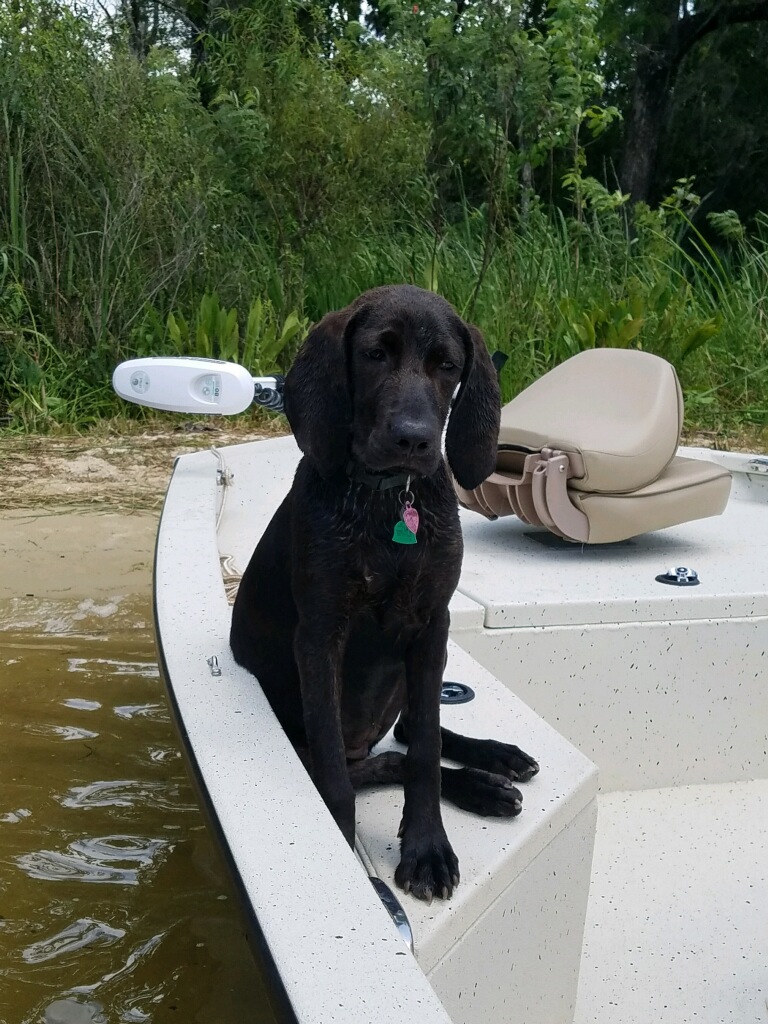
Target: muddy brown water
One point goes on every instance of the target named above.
(115, 905)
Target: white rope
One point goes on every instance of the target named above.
(230, 574)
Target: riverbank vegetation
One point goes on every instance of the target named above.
(176, 178)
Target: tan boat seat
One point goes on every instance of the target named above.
(588, 451)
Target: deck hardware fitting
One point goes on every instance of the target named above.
(679, 577)
(456, 693)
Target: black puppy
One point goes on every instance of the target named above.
(342, 613)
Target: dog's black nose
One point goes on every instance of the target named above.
(412, 437)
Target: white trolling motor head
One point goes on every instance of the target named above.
(190, 384)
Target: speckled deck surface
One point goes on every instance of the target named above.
(677, 922)
(526, 577)
(657, 686)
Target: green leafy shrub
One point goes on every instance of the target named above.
(261, 340)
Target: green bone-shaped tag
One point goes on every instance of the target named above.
(402, 534)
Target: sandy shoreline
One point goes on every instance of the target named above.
(79, 514)
(104, 470)
(59, 554)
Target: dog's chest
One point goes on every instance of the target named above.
(391, 591)
(392, 586)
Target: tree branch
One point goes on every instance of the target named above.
(696, 26)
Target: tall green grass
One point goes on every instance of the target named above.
(134, 220)
(549, 290)
(554, 287)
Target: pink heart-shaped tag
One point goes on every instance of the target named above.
(411, 518)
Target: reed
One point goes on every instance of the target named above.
(135, 220)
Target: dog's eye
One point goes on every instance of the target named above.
(447, 365)
(376, 354)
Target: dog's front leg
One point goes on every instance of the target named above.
(428, 866)
(318, 651)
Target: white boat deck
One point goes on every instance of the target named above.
(505, 865)
(663, 688)
(526, 577)
(677, 919)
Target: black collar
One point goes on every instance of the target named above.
(376, 481)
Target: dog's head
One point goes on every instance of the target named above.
(374, 382)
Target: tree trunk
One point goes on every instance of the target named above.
(671, 34)
(645, 124)
(650, 99)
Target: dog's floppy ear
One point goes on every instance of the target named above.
(472, 437)
(317, 399)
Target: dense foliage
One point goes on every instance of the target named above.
(192, 179)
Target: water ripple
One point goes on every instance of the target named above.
(139, 954)
(125, 793)
(115, 860)
(66, 732)
(13, 817)
(120, 847)
(161, 754)
(153, 711)
(80, 704)
(115, 666)
(62, 617)
(83, 932)
(69, 1011)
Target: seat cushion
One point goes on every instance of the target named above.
(621, 409)
(688, 489)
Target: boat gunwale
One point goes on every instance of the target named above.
(406, 992)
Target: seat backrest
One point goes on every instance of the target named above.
(621, 410)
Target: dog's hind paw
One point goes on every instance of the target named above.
(428, 867)
(505, 759)
(480, 792)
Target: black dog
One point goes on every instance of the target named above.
(344, 620)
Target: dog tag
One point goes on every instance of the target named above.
(411, 517)
(402, 535)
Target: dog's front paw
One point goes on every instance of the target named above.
(509, 760)
(428, 867)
